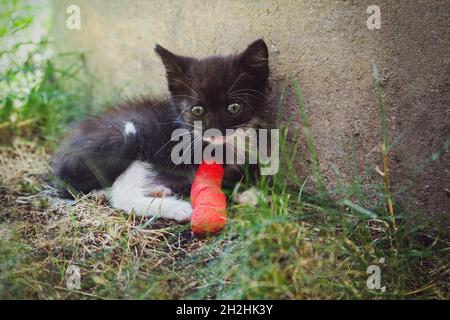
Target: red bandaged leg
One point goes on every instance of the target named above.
(208, 200)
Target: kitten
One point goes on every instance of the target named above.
(127, 149)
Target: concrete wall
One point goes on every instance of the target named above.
(327, 45)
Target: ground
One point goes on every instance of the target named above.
(281, 249)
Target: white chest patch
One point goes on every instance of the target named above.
(129, 128)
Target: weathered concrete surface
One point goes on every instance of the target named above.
(327, 45)
(416, 60)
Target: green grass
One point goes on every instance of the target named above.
(40, 92)
(292, 245)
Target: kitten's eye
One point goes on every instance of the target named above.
(197, 111)
(234, 108)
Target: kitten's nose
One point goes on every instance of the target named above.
(215, 122)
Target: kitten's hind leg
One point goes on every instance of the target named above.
(136, 190)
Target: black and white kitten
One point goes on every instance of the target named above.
(127, 149)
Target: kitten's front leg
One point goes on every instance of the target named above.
(164, 207)
(136, 189)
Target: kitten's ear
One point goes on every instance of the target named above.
(175, 66)
(255, 59)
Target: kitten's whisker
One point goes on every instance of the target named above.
(242, 125)
(251, 124)
(188, 87)
(249, 95)
(184, 95)
(249, 90)
(191, 146)
(236, 82)
(177, 119)
(182, 145)
(197, 139)
(171, 140)
(181, 123)
(186, 124)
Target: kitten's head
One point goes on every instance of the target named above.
(222, 92)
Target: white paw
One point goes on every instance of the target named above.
(249, 196)
(158, 191)
(180, 211)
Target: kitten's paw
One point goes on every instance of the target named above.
(180, 211)
(249, 196)
(159, 191)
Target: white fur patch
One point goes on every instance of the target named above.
(249, 196)
(132, 190)
(129, 128)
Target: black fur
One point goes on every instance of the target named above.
(96, 152)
